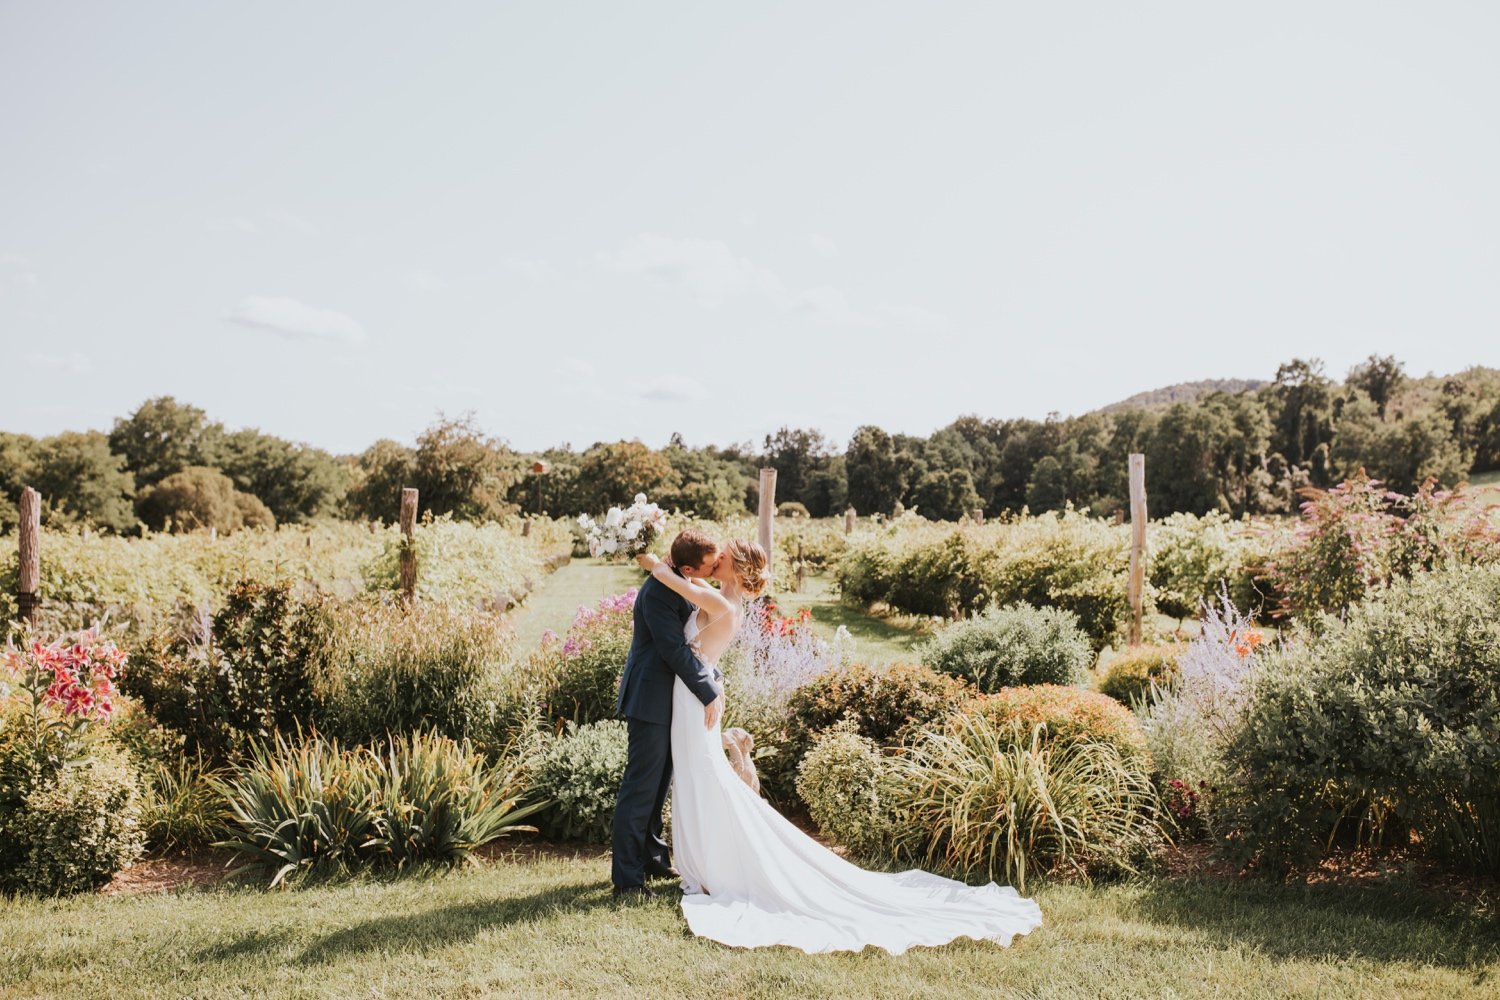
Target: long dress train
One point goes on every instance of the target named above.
(751, 878)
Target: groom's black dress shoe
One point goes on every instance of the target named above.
(633, 892)
(655, 869)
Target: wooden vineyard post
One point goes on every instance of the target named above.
(408, 544)
(849, 517)
(801, 568)
(767, 511)
(1137, 543)
(29, 579)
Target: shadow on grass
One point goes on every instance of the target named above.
(418, 930)
(1379, 923)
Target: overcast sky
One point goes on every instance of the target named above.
(594, 221)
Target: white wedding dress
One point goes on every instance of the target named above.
(750, 878)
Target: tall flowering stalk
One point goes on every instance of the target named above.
(1188, 725)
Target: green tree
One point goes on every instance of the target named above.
(15, 466)
(164, 436)
(199, 497)
(1300, 401)
(296, 481)
(81, 481)
(946, 495)
(612, 474)
(1380, 378)
(458, 469)
(795, 455)
(381, 472)
(873, 472)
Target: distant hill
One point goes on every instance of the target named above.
(1182, 392)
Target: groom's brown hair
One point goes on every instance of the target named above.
(691, 547)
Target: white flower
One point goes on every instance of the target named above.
(640, 498)
(611, 546)
(613, 518)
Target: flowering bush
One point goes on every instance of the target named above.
(577, 678)
(1180, 804)
(1188, 725)
(69, 801)
(624, 533)
(1357, 537)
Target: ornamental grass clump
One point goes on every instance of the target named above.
(308, 807)
(1001, 802)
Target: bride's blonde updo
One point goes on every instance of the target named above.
(749, 566)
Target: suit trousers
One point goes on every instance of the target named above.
(637, 834)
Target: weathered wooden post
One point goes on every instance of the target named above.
(29, 580)
(849, 517)
(1137, 543)
(767, 511)
(801, 568)
(979, 516)
(408, 544)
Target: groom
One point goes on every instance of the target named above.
(658, 651)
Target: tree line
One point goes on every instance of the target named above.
(1238, 450)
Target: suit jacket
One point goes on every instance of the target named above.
(658, 652)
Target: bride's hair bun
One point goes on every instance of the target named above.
(751, 567)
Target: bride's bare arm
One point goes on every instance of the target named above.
(701, 594)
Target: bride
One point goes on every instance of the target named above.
(751, 878)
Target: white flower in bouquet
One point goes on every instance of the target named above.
(625, 532)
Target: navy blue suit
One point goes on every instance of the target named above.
(658, 653)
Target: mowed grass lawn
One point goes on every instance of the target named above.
(547, 926)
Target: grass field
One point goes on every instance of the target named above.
(547, 926)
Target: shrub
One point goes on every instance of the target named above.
(74, 828)
(489, 564)
(792, 508)
(199, 497)
(242, 673)
(1356, 538)
(884, 704)
(1069, 561)
(579, 772)
(1192, 558)
(1129, 677)
(1069, 715)
(385, 668)
(302, 808)
(1019, 644)
(1381, 729)
(846, 782)
(1003, 803)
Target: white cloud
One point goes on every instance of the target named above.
(832, 305)
(707, 268)
(531, 270)
(822, 245)
(296, 320)
(74, 362)
(424, 281)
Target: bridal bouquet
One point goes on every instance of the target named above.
(627, 532)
